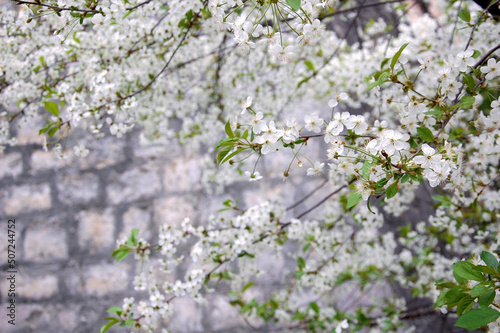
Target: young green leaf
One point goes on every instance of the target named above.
(353, 199)
(222, 153)
(225, 142)
(120, 253)
(53, 131)
(248, 285)
(465, 304)
(228, 129)
(486, 298)
(301, 263)
(108, 325)
(44, 129)
(295, 4)
(314, 306)
(309, 65)
(467, 101)
(466, 270)
(425, 134)
(228, 157)
(397, 55)
(366, 169)
(132, 240)
(478, 289)
(477, 318)
(114, 309)
(490, 260)
(392, 190)
(464, 14)
(52, 108)
(381, 79)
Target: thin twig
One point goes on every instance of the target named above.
(307, 195)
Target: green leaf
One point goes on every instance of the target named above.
(76, 38)
(397, 55)
(120, 253)
(53, 131)
(381, 79)
(228, 157)
(314, 306)
(248, 285)
(478, 290)
(301, 263)
(44, 129)
(52, 108)
(465, 304)
(464, 14)
(425, 134)
(222, 153)
(228, 129)
(485, 269)
(306, 247)
(353, 199)
(490, 260)
(405, 178)
(129, 322)
(467, 271)
(434, 112)
(129, 12)
(450, 297)
(469, 81)
(467, 102)
(245, 135)
(368, 205)
(225, 142)
(114, 309)
(132, 240)
(309, 65)
(392, 190)
(295, 4)
(366, 169)
(486, 298)
(447, 285)
(108, 326)
(477, 318)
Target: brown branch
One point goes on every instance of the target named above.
(307, 195)
(57, 8)
(359, 7)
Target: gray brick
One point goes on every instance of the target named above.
(139, 218)
(173, 210)
(103, 153)
(11, 164)
(183, 174)
(187, 316)
(138, 183)
(220, 308)
(43, 243)
(77, 188)
(96, 230)
(25, 198)
(31, 285)
(103, 279)
(42, 161)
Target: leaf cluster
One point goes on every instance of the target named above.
(474, 283)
